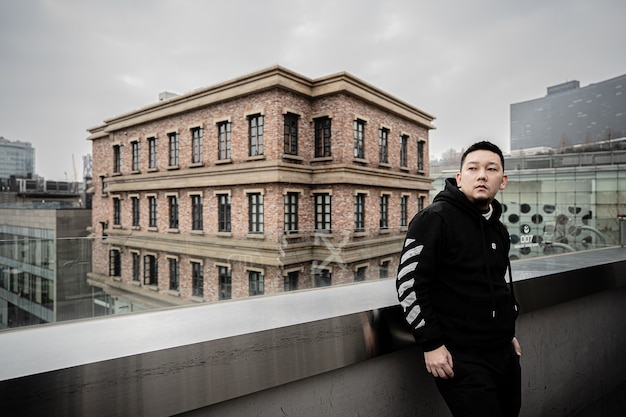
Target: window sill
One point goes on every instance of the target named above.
(173, 293)
(384, 165)
(360, 234)
(153, 229)
(361, 160)
(255, 158)
(174, 231)
(152, 287)
(407, 169)
(196, 165)
(223, 161)
(136, 283)
(224, 234)
(384, 231)
(291, 235)
(116, 226)
(259, 236)
(117, 279)
(136, 228)
(116, 174)
(196, 299)
(173, 167)
(293, 157)
(197, 232)
(134, 172)
(153, 169)
(323, 159)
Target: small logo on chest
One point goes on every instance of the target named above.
(493, 245)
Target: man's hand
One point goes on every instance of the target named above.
(439, 362)
(516, 346)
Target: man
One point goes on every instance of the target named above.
(452, 286)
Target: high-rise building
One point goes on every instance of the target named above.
(16, 159)
(266, 183)
(571, 115)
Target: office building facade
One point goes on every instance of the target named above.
(570, 115)
(45, 256)
(16, 159)
(266, 183)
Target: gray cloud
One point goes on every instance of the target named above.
(67, 65)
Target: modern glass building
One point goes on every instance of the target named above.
(570, 115)
(16, 158)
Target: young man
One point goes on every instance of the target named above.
(452, 286)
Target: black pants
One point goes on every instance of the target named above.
(485, 384)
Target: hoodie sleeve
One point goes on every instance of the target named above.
(416, 272)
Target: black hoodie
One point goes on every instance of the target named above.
(452, 275)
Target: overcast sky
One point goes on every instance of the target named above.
(68, 65)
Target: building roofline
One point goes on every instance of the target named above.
(258, 81)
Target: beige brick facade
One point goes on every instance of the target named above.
(271, 93)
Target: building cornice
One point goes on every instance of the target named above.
(263, 80)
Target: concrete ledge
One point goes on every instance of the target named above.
(182, 359)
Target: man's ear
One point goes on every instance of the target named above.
(458, 179)
(505, 180)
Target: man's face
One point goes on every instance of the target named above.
(481, 177)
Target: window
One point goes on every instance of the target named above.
(223, 142)
(359, 212)
(196, 145)
(383, 269)
(225, 283)
(404, 143)
(322, 277)
(135, 160)
(359, 274)
(384, 211)
(152, 211)
(255, 212)
(197, 280)
(173, 139)
(420, 155)
(174, 274)
(359, 139)
(404, 209)
(322, 213)
(196, 212)
(421, 200)
(255, 134)
(173, 203)
(256, 283)
(152, 153)
(291, 281)
(291, 134)
(291, 213)
(117, 211)
(136, 267)
(115, 263)
(150, 271)
(223, 212)
(117, 159)
(135, 202)
(322, 137)
(383, 138)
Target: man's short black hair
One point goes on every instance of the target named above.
(483, 146)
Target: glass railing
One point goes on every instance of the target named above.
(568, 208)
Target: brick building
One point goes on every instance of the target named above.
(262, 184)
